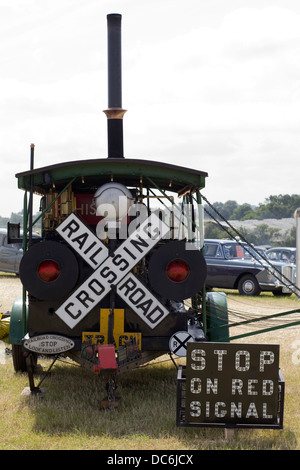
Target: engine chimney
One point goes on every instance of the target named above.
(114, 112)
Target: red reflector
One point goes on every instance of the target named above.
(178, 270)
(48, 270)
(106, 358)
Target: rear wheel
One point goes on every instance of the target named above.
(19, 360)
(248, 285)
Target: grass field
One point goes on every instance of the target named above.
(69, 415)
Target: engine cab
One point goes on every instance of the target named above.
(119, 261)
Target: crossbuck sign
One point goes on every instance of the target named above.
(114, 270)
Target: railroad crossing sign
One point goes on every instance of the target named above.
(178, 343)
(112, 270)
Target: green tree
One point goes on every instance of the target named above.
(266, 235)
(213, 230)
(278, 207)
(16, 217)
(243, 212)
(274, 207)
(3, 222)
(290, 239)
(228, 208)
(225, 209)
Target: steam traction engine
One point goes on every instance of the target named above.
(118, 277)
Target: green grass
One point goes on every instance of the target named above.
(69, 415)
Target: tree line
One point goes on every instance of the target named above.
(17, 218)
(262, 234)
(274, 207)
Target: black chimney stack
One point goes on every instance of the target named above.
(114, 112)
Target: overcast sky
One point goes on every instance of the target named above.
(208, 84)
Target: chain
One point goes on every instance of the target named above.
(111, 387)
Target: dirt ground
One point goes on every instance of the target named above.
(263, 306)
(10, 289)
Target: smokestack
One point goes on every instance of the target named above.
(114, 112)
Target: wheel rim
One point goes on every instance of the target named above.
(248, 286)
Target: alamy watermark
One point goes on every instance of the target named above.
(120, 221)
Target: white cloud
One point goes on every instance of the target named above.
(207, 85)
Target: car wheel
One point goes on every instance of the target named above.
(248, 285)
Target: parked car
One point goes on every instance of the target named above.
(235, 265)
(283, 254)
(10, 254)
